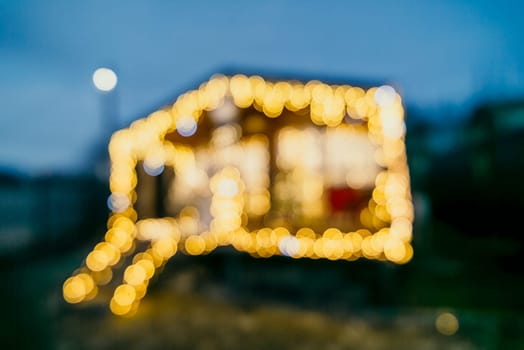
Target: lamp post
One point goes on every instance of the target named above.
(105, 81)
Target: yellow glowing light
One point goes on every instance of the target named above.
(195, 245)
(306, 232)
(105, 79)
(103, 277)
(409, 254)
(141, 290)
(118, 309)
(124, 295)
(135, 274)
(165, 247)
(157, 259)
(74, 290)
(89, 283)
(148, 266)
(97, 260)
(395, 250)
(118, 237)
(92, 294)
(447, 323)
(227, 188)
(110, 251)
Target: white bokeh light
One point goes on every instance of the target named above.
(227, 188)
(225, 113)
(289, 246)
(385, 96)
(104, 79)
(153, 170)
(118, 202)
(186, 126)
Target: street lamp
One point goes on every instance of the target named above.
(105, 79)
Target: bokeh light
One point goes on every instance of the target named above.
(105, 79)
(446, 323)
(186, 126)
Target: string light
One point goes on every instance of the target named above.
(240, 191)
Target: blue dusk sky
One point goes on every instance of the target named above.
(445, 57)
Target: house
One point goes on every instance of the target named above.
(268, 167)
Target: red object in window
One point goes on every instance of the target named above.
(344, 199)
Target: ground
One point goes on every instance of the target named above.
(185, 309)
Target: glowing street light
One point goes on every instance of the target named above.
(105, 79)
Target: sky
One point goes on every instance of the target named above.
(445, 57)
